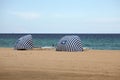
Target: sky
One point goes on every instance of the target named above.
(59, 16)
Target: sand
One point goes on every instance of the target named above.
(38, 64)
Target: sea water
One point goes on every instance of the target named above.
(92, 41)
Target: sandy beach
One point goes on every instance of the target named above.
(38, 64)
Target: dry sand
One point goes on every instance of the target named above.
(39, 64)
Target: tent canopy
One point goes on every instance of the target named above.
(24, 43)
(69, 43)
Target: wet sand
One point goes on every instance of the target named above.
(38, 64)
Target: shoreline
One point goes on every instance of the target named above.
(42, 64)
(53, 48)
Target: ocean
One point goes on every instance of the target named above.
(92, 41)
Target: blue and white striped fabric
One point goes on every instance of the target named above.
(24, 43)
(69, 43)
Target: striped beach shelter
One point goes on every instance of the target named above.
(24, 43)
(69, 43)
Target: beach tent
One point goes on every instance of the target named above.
(24, 43)
(69, 43)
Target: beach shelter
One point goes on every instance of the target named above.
(24, 43)
(69, 43)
